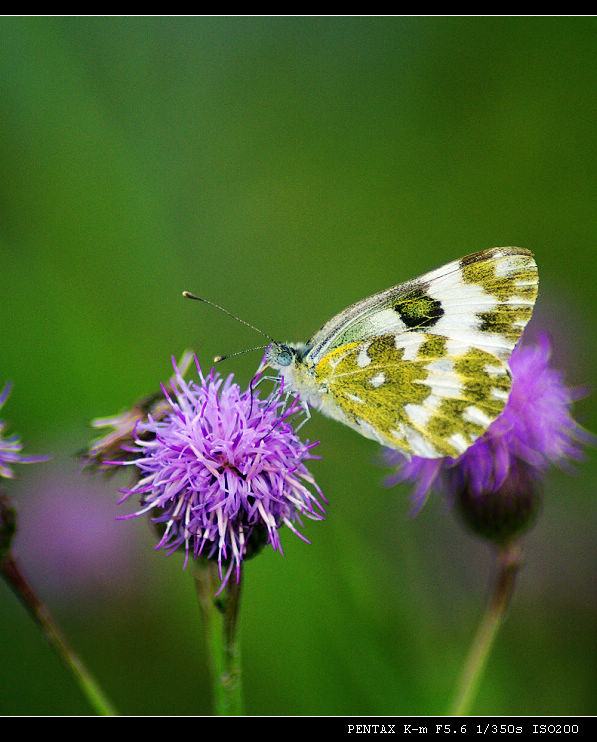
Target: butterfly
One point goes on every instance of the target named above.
(421, 367)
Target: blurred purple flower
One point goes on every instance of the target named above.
(67, 542)
(496, 480)
(10, 448)
(221, 470)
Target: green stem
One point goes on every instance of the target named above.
(220, 615)
(508, 562)
(39, 613)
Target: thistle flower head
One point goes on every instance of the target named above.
(10, 454)
(220, 470)
(496, 480)
(11, 447)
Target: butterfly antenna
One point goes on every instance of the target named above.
(188, 295)
(217, 359)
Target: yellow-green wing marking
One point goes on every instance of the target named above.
(435, 405)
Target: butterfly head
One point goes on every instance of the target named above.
(288, 359)
(281, 355)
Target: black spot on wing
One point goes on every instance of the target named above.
(418, 310)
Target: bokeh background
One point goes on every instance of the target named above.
(284, 167)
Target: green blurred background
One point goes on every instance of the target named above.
(284, 167)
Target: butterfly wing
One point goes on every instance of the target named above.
(423, 366)
(436, 405)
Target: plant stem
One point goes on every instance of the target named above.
(11, 572)
(220, 613)
(508, 565)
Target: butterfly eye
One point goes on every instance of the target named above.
(284, 355)
(279, 355)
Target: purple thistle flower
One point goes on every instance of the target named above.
(221, 470)
(10, 448)
(495, 482)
